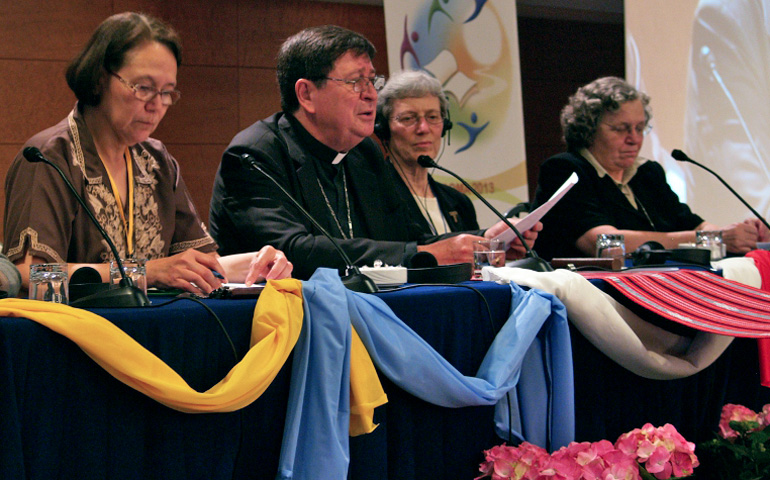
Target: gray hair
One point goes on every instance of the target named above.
(409, 84)
(581, 116)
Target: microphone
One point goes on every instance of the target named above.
(126, 294)
(682, 157)
(532, 261)
(353, 278)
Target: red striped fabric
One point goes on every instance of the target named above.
(698, 299)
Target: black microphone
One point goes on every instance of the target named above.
(353, 278)
(532, 261)
(682, 157)
(126, 294)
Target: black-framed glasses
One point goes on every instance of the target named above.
(626, 129)
(362, 83)
(146, 93)
(410, 119)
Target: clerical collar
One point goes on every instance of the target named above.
(313, 145)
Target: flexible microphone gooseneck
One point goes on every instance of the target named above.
(126, 294)
(353, 279)
(532, 261)
(682, 157)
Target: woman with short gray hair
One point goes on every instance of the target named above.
(412, 118)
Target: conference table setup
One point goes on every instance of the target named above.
(281, 386)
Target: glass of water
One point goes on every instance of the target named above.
(49, 282)
(711, 240)
(487, 253)
(610, 245)
(135, 268)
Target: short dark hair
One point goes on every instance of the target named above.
(311, 54)
(581, 116)
(107, 49)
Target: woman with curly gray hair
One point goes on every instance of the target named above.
(604, 124)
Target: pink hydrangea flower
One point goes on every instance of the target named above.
(764, 416)
(517, 463)
(624, 468)
(655, 449)
(735, 413)
(661, 451)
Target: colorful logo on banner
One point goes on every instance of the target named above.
(466, 46)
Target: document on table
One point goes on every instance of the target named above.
(238, 290)
(530, 220)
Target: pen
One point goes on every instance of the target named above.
(218, 275)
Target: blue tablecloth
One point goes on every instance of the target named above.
(62, 416)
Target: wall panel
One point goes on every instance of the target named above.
(228, 73)
(227, 78)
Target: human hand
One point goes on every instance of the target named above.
(456, 249)
(269, 264)
(516, 249)
(190, 270)
(740, 237)
(763, 234)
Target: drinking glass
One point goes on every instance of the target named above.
(610, 245)
(712, 240)
(135, 269)
(487, 253)
(49, 282)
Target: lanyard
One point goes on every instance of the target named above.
(128, 225)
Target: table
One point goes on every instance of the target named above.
(62, 416)
(621, 400)
(610, 399)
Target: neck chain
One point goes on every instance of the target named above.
(644, 211)
(347, 205)
(422, 201)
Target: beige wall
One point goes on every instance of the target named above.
(661, 31)
(227, 76)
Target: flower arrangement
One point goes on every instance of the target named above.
(741, 449)
(645, 453)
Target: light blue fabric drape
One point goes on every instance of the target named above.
(530, 357)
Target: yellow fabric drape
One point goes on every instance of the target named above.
(366, 391)
(276, 326)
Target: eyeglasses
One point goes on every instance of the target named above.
(146, 93)
(362, 83)
(626, 129)
(410, 119)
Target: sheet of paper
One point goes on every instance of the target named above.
(534, 216)
(243, 285)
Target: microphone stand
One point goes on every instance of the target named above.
(353, 279)
(531, 261)
(682, 157)
(126, 294)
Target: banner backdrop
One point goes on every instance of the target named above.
(472, 48)
(705, 65)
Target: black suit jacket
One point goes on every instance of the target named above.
(455, 206)
(595, 201)
(248, 211)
